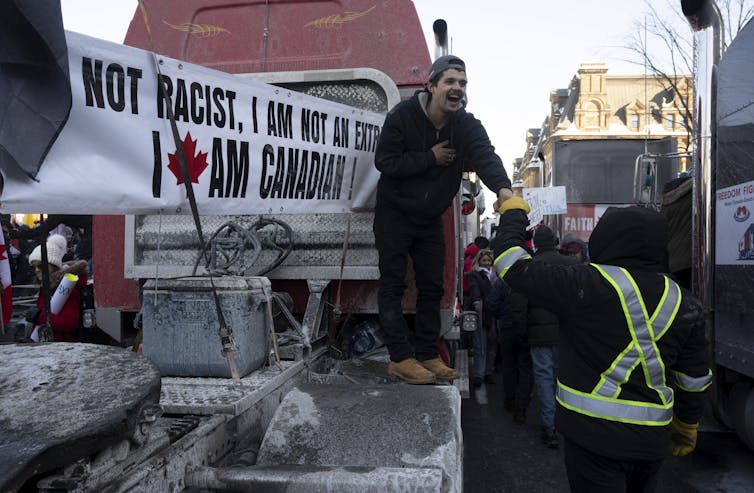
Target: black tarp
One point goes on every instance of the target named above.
(676, 206)
(35, 88)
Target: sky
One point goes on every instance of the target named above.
(516, 52)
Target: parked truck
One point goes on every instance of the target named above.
(723, 185)
(246, 318)
(364, 55)
(598, 174)
(709, 213)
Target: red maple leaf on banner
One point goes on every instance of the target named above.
(2, 252)
(196, 163)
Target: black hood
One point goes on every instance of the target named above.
(631, 237)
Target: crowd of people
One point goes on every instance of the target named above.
(22, 239)
(615, 347)
(69, 252)
(634, 361)
(515, 335)
(548, 315)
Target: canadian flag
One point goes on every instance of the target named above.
(5, 280)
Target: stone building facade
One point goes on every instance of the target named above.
(597, 107)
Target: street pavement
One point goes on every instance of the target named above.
(502, 456)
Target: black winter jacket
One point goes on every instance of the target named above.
(410, 180)
(541, 323)
(499, 304)
(508, 308)
(594, 330)
(479, 290)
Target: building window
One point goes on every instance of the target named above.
(634, 122)
(670, 121)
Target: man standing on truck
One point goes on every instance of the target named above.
(634, 359)
(426, 144)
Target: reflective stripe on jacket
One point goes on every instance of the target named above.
(509, 257)
(603, 358)
(641, 354)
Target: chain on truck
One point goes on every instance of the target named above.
(247, 314)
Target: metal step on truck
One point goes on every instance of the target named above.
(226, 153)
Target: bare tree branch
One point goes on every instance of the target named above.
(663, 44)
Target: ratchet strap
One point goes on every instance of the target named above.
(225, 332)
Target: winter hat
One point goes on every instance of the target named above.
(444, 63)
(56, 246)
(544, 238)
(481, 242)
(571, 245)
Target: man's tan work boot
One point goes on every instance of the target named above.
(439, 369)
(410, 371)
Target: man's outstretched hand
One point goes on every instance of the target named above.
(502, 195)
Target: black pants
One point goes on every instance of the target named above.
(397, 238)
(518, 379)
(592, 473)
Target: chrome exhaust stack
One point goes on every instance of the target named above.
(440, 28)
(704, 18)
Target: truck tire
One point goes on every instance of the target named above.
(741, 411)
(719, 397)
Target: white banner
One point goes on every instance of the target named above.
(544, 201)
(533, 199)
(552, 200)
(251, 148)
(734, 226)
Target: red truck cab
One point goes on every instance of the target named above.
(300, 45)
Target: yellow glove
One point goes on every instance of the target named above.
(682, 437)
(514, 203)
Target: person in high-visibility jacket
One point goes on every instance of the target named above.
(634, 359)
